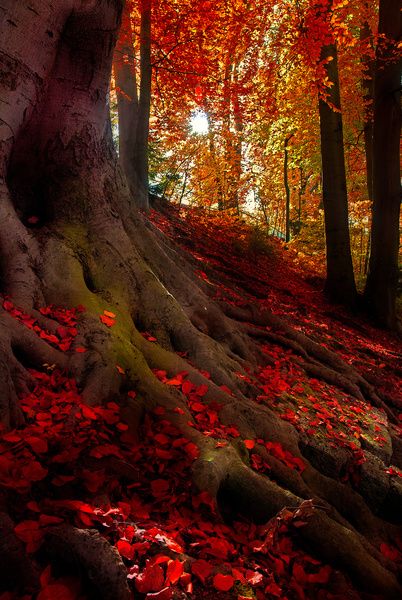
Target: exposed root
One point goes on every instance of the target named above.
(87, 550)
(15, 565)
(320, 361)
(20, 349)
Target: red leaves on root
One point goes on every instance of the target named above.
(66, 332)
(161, 510)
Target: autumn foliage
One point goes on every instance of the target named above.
(255, 74)
(186, 414)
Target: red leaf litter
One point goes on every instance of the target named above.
(60, 466)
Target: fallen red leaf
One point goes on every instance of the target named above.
(249, 444)
(159, 487)
(174, 571)
(108, 321)
(30, 533)
(223, 583)
(201, 390)
(150, 580)
(57, 590)
(125, 549)
(202, 569)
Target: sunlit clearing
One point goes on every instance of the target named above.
(199, 123)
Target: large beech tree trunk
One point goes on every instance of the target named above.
(382, 279)
(69, 235)
(340, 283)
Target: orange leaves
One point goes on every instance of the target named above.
(148, 336)
(198, 93)
(108, 318)
(249, 444)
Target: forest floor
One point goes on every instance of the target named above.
(60, 467)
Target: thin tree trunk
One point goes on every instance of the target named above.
(302, 188)
(287, 189)
(368, 93)
(340, 283)
(215, 160)
(231, 200)
(133, 104)
(239, 128)
(144, 107)
(367, 254)
(124, 66)
(382, 280)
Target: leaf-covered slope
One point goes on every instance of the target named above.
(72, 472)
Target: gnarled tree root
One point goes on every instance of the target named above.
(88, 551)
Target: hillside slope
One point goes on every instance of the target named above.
(312, 506)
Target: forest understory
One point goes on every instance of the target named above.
(249, 446)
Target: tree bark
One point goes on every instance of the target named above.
(88, 245)
(124, 66)
(368, 96)
(287, 188)
(215, 162)
(134, 104)
(144, 106)
(340, 283)
(383, 275)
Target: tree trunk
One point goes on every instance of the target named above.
(231, 143)
(216, 162)
(124, 66)
(144, 106)
(287, 189)
(70, 236)
(383, 275)
(340, 283)
(368, 96)
(134, 108)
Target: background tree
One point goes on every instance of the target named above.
(133, 99)
(382, 281)
(339, 284)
